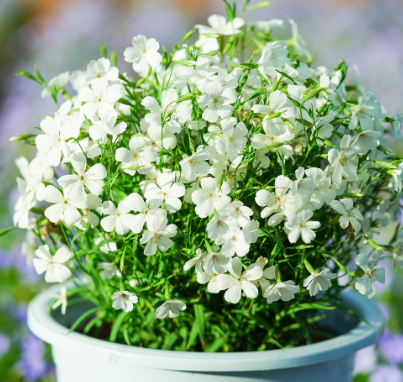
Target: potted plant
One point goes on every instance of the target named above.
(221, 202)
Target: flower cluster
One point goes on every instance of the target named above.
(266, 175)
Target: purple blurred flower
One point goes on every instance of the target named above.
(391, 347)
(32, 364)
(4, 344)
(365, 360)
(385, 373)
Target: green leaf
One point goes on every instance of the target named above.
(187, 35)
(169, 341)
(307, 306)
(38, 75)
(383, 164)
(208, 246)
(244, 66)
(116, 326)
(230, 12)
(134, 167)
(215, 346)
(261, 5)
(6, 231)
(193, 334)
(352, 195)
(309, 267)
(114, 59)
(22, 137)
(374, 245)
(102, 50)
(27, 75)
(83, 317)
(341, 266)
(199, 314)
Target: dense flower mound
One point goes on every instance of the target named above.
(221, 200)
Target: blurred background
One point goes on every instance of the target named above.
(60, 36)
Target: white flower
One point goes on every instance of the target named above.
(90, 203)
(145, 213)
(210, 197)
(322, 192)
(110, 270)
(119, 218)
(158, 235)
(397, 124)
(54, 141)
(220, 25)
(365, 284)
(275, 132)
(105, 126)
(302, 189)
(216, 100)
(124, 300)
(211, 279)
(237, 243)
(319, 281)
(75, 184)
(204, 69)
(268, 273)
(170, 308)
(299, 225)
(196, 261)
(168, 139)
(282, 290)
(219, 228)
(240, 212)
(63, 207)
(239, 281)
(61, 300)
(101, 68)
(349, 215)
(32, 173)
(367, 140)
(215, 263)
(165, 191)
(101, 96)
(168, 106)
(397, 176)
(137, 158)
(274, 56)
(253, 228)
(278, 103)
(143, 54)
(53, 265)
(277, 203)
(367, 108)
(234, 140)
(344, 162)
(300, 44)
(22, 208)
(195, 164)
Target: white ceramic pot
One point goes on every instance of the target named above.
(79, 358)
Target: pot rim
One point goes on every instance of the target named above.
(43, 325)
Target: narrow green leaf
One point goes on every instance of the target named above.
(116, 326)
(199, 314)
(261, 5)
(83, 317)
(187, 35)
(6, 231)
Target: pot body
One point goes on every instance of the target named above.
(79, 358)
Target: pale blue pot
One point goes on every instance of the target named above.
(79, 358)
